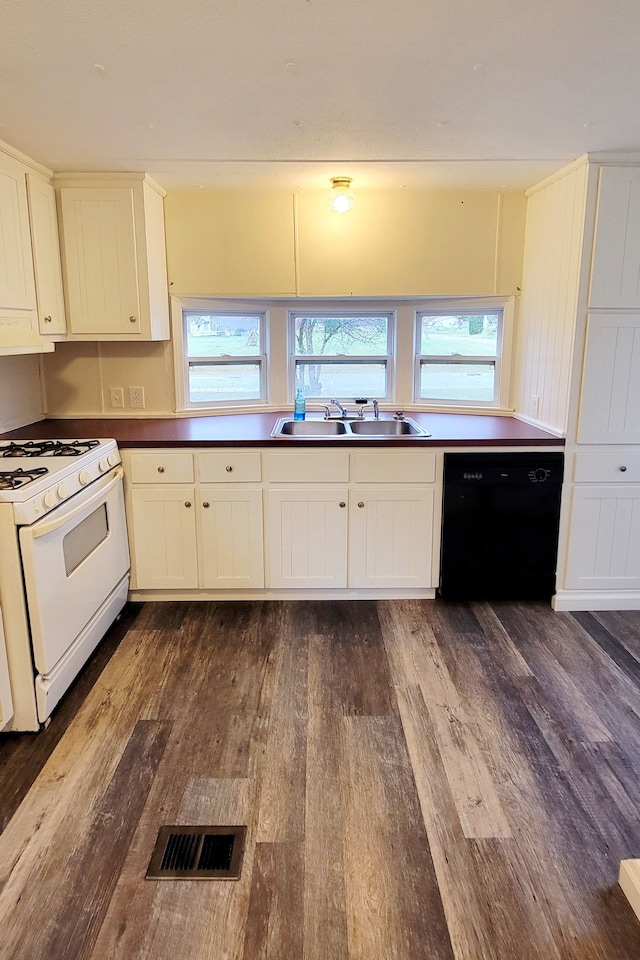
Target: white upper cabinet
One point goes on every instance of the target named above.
(46, 255)
(615, 273)
(114, 259)
(17, 290)
(610, 403)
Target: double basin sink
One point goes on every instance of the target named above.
(373, 429)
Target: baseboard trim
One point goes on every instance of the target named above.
(266, 594)
(596, 600)
(630, 883)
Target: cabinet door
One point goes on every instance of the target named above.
(164, 538)
(230, 524)
(604, 551)
(46, 255)
(17, 290)
(100, 260)
(610, 400)
(615, 273)
(391, 536)
(307, 537)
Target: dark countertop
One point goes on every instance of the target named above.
(254, 430)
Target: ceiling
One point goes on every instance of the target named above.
(464, 94)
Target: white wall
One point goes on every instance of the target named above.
(270, 243)
(78, 377)
(20, 396)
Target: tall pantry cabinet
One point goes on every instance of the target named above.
(588, 217)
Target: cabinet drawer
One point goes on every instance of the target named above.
(327, 466)
(161, 466)
(606, 468)
(228, 466)
(393, 466)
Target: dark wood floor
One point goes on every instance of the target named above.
(419, 779)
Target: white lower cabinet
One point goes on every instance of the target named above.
(164, 537)
(391, 536)
(231, 544)
(334, 519)
(374, 531)
(604, 552)
(306, 536)
(187, 534)
(603, 546)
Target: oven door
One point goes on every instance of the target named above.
(73, 559)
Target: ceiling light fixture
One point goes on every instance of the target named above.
(341, 198)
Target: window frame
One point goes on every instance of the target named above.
(278, 359)
(503, 306)
(181, 309)
(388, 359)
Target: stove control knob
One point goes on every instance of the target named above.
(84, 477)
(50, 499)
(113, 458)
(62, 492)
(102, 466)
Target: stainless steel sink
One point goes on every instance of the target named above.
(308, 428)
(373, 429)
(387, 428)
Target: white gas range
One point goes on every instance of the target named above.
(64, 563)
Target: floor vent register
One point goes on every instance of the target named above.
(197, 853)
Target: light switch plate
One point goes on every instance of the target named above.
(116, 396)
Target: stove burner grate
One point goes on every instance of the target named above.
(12, 479)
(47, 448)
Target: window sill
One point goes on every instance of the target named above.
(315, 407)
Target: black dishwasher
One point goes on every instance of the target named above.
(500, 526)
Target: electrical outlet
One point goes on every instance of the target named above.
(136, 397)
(116, 395)
(534, 406)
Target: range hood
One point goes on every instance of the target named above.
(17, 336)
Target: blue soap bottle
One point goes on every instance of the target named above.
(298, 406)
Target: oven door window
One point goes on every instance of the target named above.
(86, 537)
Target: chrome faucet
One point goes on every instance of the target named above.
(336, 403)
(368, 403)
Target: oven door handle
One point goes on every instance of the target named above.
(44, 527)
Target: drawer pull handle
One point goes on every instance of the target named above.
(187, 503)
(229, 469)
(623, 469)
(361, 503)
(342, 504)
(160, 469)
(205, 504)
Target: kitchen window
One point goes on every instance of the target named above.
(341, 355)
(458, 355)
(224, 357)
(254, 354)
